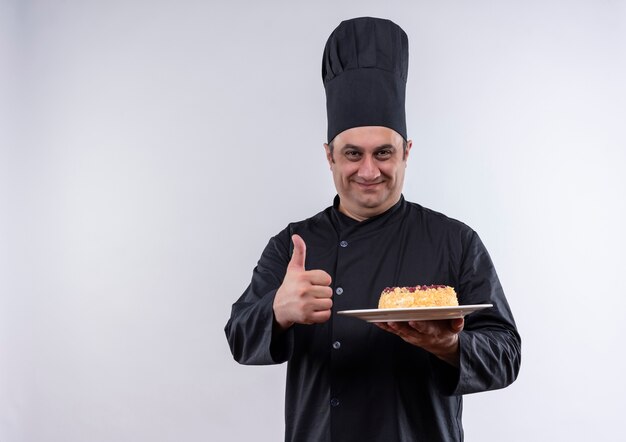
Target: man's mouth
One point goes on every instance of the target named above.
(366, 185)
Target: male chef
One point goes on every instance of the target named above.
(347, 379)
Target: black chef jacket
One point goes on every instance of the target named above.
(348, 380)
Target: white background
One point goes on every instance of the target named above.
(149, 149)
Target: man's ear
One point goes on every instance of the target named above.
(409, 144)
(329, 155)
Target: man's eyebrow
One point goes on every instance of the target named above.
(382, 146)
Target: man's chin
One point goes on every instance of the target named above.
(370, 203)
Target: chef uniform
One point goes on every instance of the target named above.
(348, 380)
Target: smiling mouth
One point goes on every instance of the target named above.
(368, 185)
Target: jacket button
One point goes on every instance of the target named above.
(339, 290)
(336, 345)
(334, 402)
(343, 243)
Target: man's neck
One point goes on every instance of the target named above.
(349, 214)
(360, 215)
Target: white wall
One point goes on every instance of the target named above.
(152, 148)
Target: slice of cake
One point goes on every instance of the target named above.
(419, 296)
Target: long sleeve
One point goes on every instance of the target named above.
(249, 330)
(490, 346)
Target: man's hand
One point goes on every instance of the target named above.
(440, 338)
(304, 296)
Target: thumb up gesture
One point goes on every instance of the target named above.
(304, 297)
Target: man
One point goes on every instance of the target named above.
(348, 380)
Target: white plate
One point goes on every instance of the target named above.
(413, 314)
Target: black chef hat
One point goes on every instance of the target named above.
(364, 69)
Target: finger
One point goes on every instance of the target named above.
(438, 327)
(420, 326)
(322, 304)
(456, 325)
(320, 316)
(319, 291)
(381, 325)
(319, 277)
(404, 330)
(384, 326)
(299, 253)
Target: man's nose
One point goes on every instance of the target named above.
(369, 170)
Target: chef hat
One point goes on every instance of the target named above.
(364, 69)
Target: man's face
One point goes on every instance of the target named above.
(368, 166)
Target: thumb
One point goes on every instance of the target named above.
(299, 253)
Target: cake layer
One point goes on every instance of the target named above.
(418, 296)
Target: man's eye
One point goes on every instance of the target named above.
(353, 154)
(383, 153)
